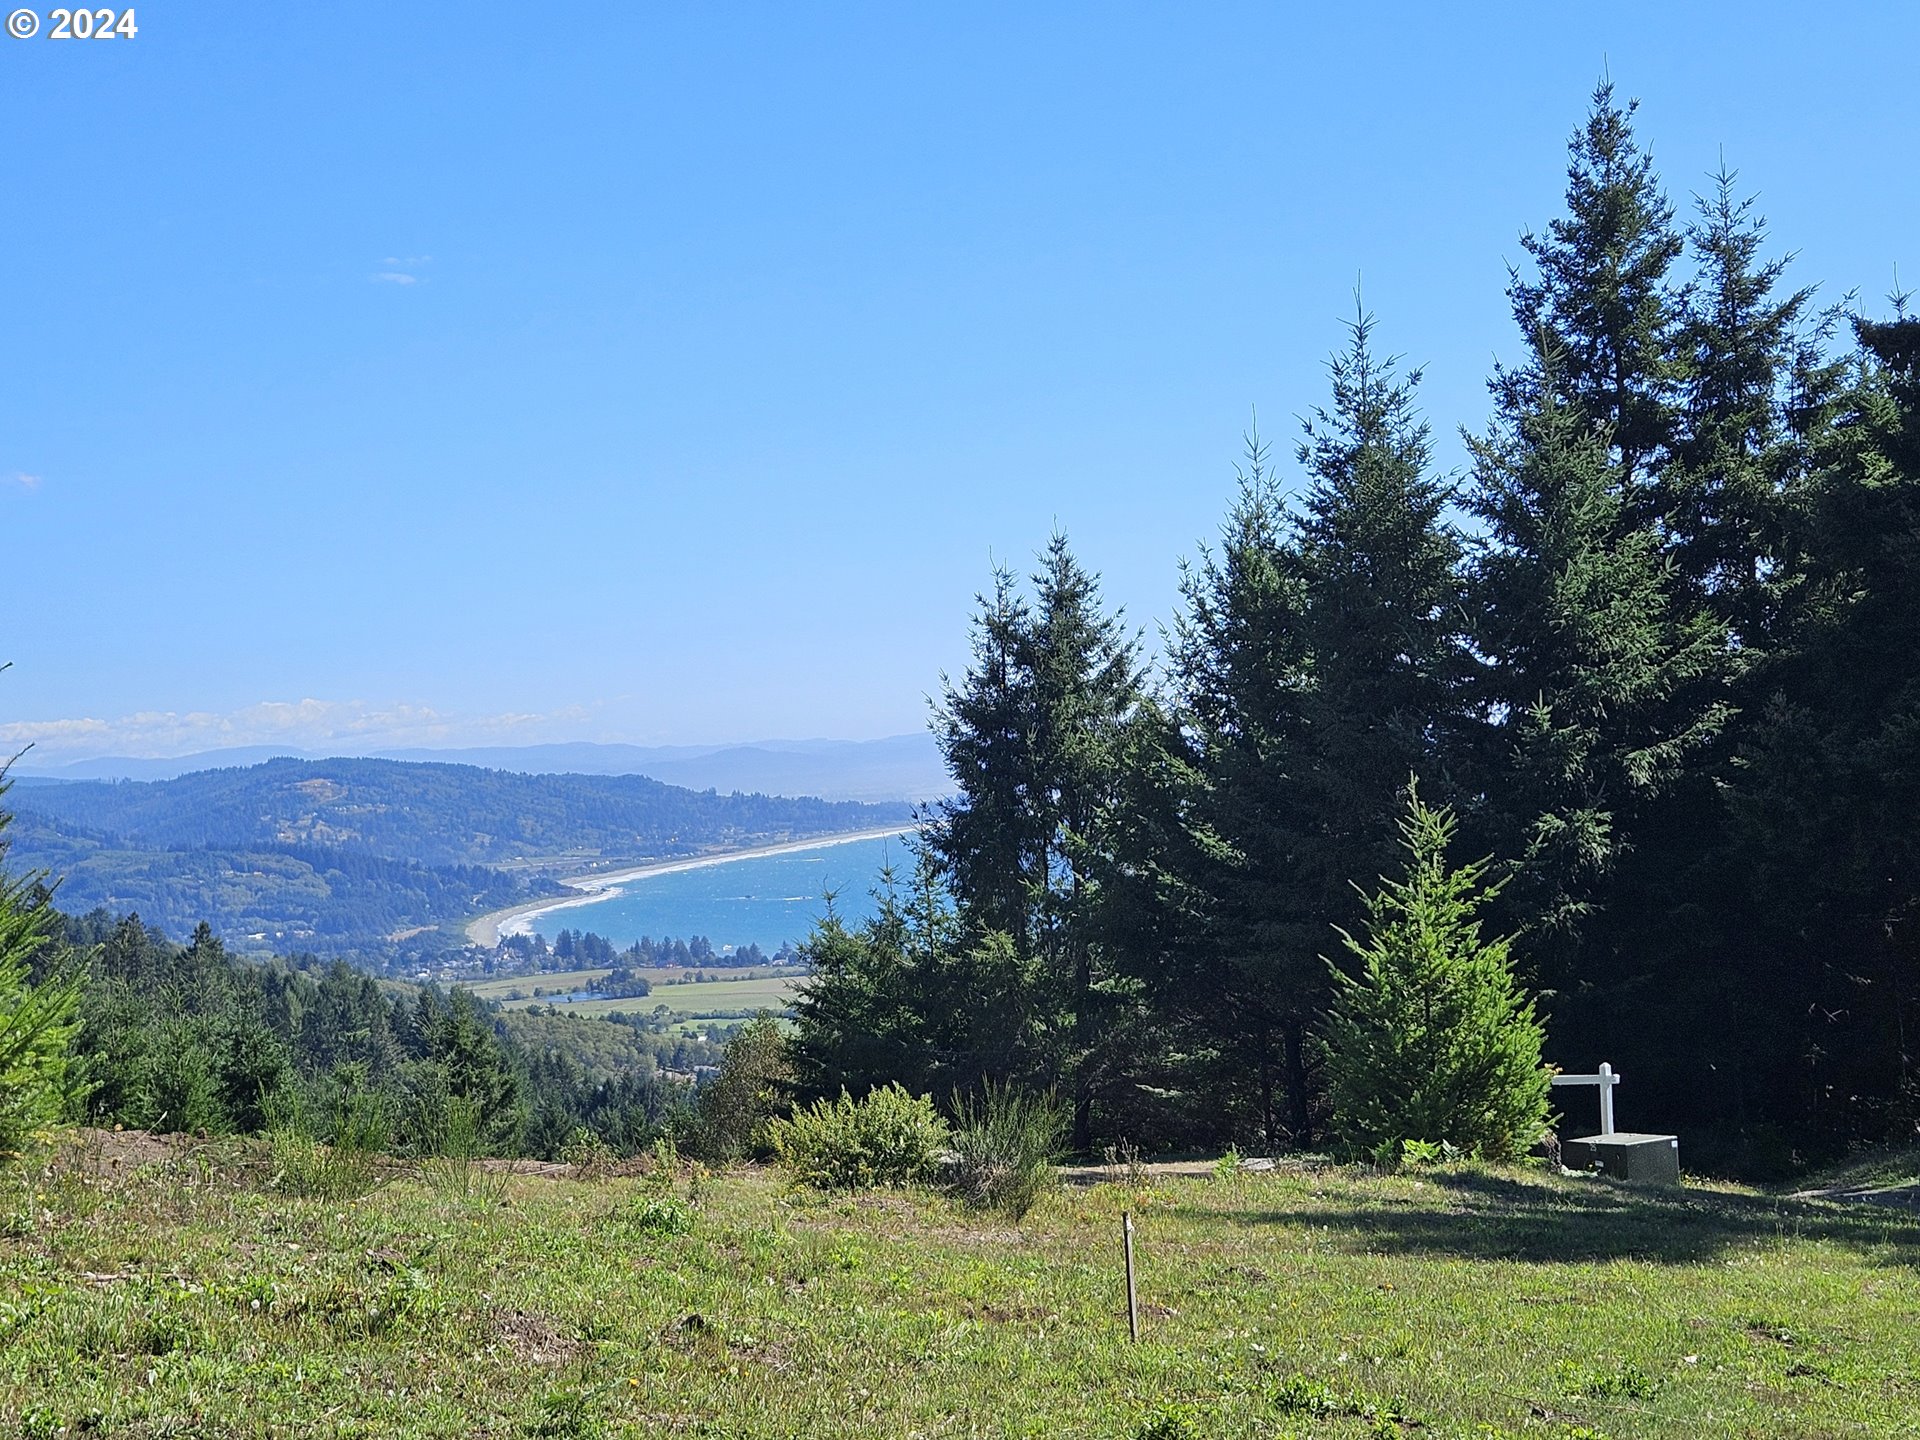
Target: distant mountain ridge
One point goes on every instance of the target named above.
(899, 767)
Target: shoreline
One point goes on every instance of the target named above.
(490, 929)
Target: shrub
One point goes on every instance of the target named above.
(736, 1105)
(589, 1155)
(454, 1169)
(359, 1126)
(886, 1138)
(658, 1215)
(1170, 1422)
(1004, 1143)
(1432, 1039)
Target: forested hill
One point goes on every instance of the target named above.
(328, 899)
(437, 815)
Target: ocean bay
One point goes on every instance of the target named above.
(764, 899)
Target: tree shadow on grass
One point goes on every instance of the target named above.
(1480, 1216)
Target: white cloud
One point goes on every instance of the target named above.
(394, 277)
(25, 481)
(350, 725)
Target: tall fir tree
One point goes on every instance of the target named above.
(1829, 777)
(1385, 619)
(1233, 959)
(1602, 300)
(1585, 656)
(1321, 660)
(1033, 736)
(1755, 385)
(1606, 675)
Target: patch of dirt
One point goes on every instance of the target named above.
(1903, 1196)
(1145, 1171)
(552, 1169)
(118, 1152)
(536, 1338)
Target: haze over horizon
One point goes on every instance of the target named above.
(378, 379)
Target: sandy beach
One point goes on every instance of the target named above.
(490, 928)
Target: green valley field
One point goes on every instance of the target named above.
(688, 1002)
(153, 1290)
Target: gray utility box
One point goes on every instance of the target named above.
(1641, 1159)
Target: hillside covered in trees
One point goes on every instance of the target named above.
(190, 1038)
(1657, 652)
(439, 814)
(325, 898)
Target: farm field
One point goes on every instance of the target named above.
(187, 1297)
(565, 982)
(520, 986)
(690, 1000)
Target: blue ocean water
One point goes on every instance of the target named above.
(765, 900)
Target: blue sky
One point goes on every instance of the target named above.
(675, 373)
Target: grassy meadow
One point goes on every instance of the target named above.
(175, 1292)
(688, 1002)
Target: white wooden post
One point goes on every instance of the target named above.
(1605, 1080)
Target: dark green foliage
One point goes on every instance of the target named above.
(1757, 388)
(750, 1090)
(190, 1038)
(37, 1011)
(1828, 780)
(1602, 302)
(1587, 657)
(1321, 660)
(912, 996)
(1034, 735)
(1429, 1037)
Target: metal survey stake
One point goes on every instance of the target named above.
(1133, 1302)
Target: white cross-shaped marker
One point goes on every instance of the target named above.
(1606, 1080)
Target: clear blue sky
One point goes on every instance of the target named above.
(676, 372)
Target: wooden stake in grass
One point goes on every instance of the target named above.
(1133, 1300)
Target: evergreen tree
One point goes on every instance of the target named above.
(1240, 969)
(1430, 1038)
(1585, 657)
(1321, 660)
(1602, 302)
(1384, 616)
(989, 836)
(749, 1091)
(1756, 385)
(1829, 779)
(1033, 737)
(1605, 675)
(37, 1015)
(862, 1017)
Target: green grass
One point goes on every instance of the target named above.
(689, 1001)
(669, 982)
(558, 982)
(187, 1299)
